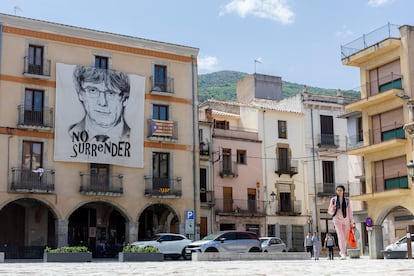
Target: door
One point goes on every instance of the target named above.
(227, 199)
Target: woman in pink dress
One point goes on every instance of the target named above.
(341, 211)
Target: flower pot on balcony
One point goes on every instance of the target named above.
(140, 257)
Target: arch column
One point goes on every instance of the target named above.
(375, 242)
(131, 231)
(61, 231)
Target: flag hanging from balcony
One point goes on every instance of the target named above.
(162, 128)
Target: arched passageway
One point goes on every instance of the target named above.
(157, 218)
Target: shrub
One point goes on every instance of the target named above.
(67, 249)
(135, 249)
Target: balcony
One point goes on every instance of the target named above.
(162, 187)
(240, 207)
(235, 133)
(30, 118)
(102, 184)
(385, 138)
(228, 169)
(371, 45)
(288, 166)
(206, 198)
(326, 140)
(32, 181)
(329, 189)
(390, 186)
(288, 208)
(162, 130)
(41, 71)
(204, 150)
(162, 88)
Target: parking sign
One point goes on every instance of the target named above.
(189, 214)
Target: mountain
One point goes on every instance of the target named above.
(222, 86)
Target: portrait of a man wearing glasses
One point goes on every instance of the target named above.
(104, 95)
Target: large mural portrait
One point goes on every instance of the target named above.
(99, 116)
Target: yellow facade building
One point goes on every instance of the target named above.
(98, 136)
(385, 58)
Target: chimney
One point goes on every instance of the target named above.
(209, 115)
(339, 93)
(305, 89)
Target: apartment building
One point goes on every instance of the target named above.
(98, 135)
(385, 59)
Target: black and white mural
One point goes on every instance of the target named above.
(99, 116)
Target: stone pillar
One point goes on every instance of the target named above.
(61, 232)
(131, 231)
(289, 235)
(375, 242)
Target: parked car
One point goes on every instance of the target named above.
(398, 249)
(172, 245)
(273, 244)
(226, 241)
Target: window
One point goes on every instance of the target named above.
(221, 124)
(203, 185)
(161, 171)
(101, 62)
(328, 177)
(327, 131)
(283, 160)
(160, 112)
(32, 155)
(35, 59)
(227, 161)
(241, 157)
(285, 202)
(160, 78)
(282, 127)
(33, 107)
(251, 200)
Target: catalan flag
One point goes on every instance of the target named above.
(162, 128)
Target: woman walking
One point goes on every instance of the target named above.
(341, 211)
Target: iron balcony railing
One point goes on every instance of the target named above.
(206, 197)
(33, 181)
(377, 86)
(286, 166)
(228, 169)
(376, 136)
(329, 189)
(398, 180)
(101, 184)
(372, 38)
(166, 86)
(327, 140)
(162, 187)
(241, 207)
(287, 207)
(204, 149)
(42, 69)
(29, 116)
(162, 129)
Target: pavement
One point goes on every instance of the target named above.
(362, 266)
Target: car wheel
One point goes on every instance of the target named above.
(185, 256)
(265, 251)
(254, 249)
(211, 249)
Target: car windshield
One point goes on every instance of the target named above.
(264, 241)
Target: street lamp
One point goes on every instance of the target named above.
(273, 195)
(410, 167)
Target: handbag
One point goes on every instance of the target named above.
(352, 240)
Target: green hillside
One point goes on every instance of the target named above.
(222, 86)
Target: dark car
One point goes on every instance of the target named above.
(226, 241)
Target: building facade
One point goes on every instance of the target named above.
(95, 127)
(385, 60)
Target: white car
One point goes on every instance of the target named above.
(272, 244)
(172, 245)
(398, 250)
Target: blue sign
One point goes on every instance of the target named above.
(189, 214)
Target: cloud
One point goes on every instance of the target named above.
(344, 32)
(276, 10)
(379, 3)
(207, 64)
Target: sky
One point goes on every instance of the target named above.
(298, 40)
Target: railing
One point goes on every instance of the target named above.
(240, 206)
(228, 169)
(34, 181)
(372, 38)
(207, 197)
(236, 133)
(375, 87)
(37, 69)
(329, 189)
(162, 129)
(101, 184)
(204, 149)
(288, 208)
(166, 87)
(376, 136)
(287, 166)
(162, 187)
(29, 116)
(398, 180)
(328, 140)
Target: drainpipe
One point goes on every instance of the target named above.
(195, 119)
(314, 174)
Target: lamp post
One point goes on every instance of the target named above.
(410, 168)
